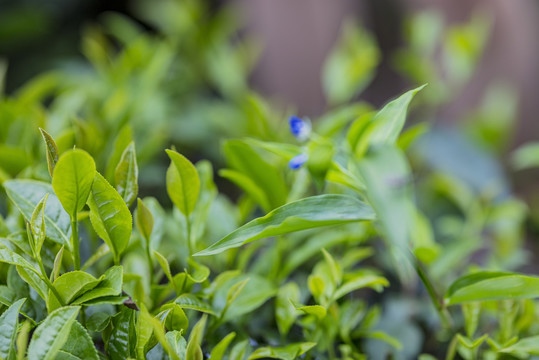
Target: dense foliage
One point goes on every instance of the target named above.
(353, 237)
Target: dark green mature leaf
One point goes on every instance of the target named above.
(122, 341)
(8, 330)
(52, 333)
(52, 150)
(126, 175)
(289, 352)
(26, 194)
(491, 285)
(389, 121)
(72, 180)
(308, 213)
(183, 183)
(110, 216)
(80, 345)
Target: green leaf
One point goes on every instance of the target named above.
(389, 121)
(257, 173)
(9, 321)
(98, 321)
(190, 301)
(52, 150)
(57, 264)
(70, 286)
(289, 352)
(109, 287)
(219, 350)
(177, 343)
(26, 194)
(8, 256)
(126, 175)
(173, 317)
(285, 312)
(183, 183)
(72, 180)
(38, 225)
(110, 216)
(194, 351)
(358, 281)
(164, 265)
(35, 281)
(316, 310)
(491, 285)
(144, 221)
(122, 340)
(144, 334)
(308, 213)
(52, 333)
(523, 348)
(526, 156)
(80, 345)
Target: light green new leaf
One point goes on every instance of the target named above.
(52, 333)
(164, 265)
(173, 317)
(390, 120)
(190, 301)
(290, 352)
(358, 281)
(316, 310)
(70, 286)
(285, 312)
(110, 216)
(523, 348)
(194, 351)
(107, 291)
(526, 156)
(126, 175)
(183, 183)
(308, 213)
(26, 194)
(9, 256)
(72, 180)
(218, 350)
(52, 150)
(79, 347)
(144, 221)
(38, 225)
(491, 285)
(8, 330)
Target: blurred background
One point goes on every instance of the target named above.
(214, 69)
(295, 39)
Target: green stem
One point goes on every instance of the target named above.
(150, 262)
(75, 242)
(49, 284)
(188, 225)
(440, 308)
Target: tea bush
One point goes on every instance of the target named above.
(353, 237)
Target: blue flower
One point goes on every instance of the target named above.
(297, 161)
(300, 128)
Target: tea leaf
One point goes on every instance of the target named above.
(390, 120)
(183, 183)
(26, 194)
(72, 180)
(52, 150)
(193, 350)
(144, 221)
(38, 225)
(285, 312)
(110, 216)
(491, 285)
(52, 333)
(173, 317)
(70, 286)
(289, 352)
(80, 345)
(308, 213)
(190, 301)
(9, 321)
(219, 350)
(126, 175)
